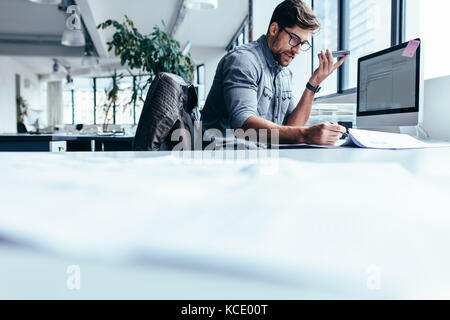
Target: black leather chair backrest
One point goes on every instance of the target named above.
(168, 106)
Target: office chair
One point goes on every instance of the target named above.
(170, 104)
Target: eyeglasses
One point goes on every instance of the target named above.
(296, 41)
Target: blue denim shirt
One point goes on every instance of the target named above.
(248, 82)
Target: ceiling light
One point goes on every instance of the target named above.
(46, 1)
(73, 38)
(55, 66)
(201, 4)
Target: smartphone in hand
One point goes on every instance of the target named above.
(340, 53)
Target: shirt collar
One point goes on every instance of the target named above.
(271, 62)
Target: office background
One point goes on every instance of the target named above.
(29, 36)
(304, 224)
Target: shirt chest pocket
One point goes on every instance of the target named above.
(265, 102)
(286, 100)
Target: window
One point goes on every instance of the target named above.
(140, 83)
(102, 112)
(200, 85)
(327, 38)
(369, 31)
(241, 37)
(83, 100)
(361, 26)
(124, 107)
(68, 96)
(428, 20)
(79, 102)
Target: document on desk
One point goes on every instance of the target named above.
(358, 138)
(272, 219)
(383, 140)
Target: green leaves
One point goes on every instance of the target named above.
(22, 109)
(153, 53)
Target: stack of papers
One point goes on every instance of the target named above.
(372, 140)
(382, 140)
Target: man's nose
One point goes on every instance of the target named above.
(296, 50)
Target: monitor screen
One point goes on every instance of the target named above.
(388, 82)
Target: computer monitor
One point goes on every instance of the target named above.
(389, 92)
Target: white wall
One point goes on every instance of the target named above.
(7, 96)
(436, 116)
(8, 69)
(429, 21)
(210, 57)
(301, 66)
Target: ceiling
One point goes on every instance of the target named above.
(28, 28)
(13, 14)
(144, 13)
(204, 28)
(213, 28)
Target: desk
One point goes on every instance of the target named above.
(29, 273)
(101, 143)
(34, 143)
(63, 143)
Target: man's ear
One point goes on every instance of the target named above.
(273, 29)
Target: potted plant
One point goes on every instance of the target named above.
(111, 98)
(147, 54)
(22, 112)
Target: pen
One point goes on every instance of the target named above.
(344, 134)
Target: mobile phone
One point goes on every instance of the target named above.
(340, 53)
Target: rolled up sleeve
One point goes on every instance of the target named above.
(240, 88)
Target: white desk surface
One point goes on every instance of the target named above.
(32, 273)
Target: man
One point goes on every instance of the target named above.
(252, 86)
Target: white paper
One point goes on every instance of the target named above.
(372, 140)
(383, 140)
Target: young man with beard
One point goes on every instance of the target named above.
(252, 88)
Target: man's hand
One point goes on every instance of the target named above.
(326, 67)
(321, 134)
(324, 133)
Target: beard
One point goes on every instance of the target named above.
(278, 55)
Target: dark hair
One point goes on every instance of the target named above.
(292, 13)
